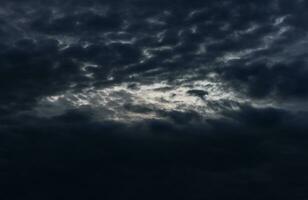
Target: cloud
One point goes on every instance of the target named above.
(185, 99)
(198, 93)
(253, 147)
(261, 80)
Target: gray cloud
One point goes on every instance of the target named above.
(207, 98)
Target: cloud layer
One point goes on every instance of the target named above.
(205, 98)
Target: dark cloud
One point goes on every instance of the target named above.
(30, 71)
(143, 99)
(260, 79)
(199, 93)
(76, 22)
(97, 158)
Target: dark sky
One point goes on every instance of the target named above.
(154, 99)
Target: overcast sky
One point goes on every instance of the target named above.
(145, 99)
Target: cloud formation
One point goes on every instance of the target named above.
(207, 98)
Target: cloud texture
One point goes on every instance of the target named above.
(139, 99)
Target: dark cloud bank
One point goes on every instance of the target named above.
(154, 99)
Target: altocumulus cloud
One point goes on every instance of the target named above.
(153, 99)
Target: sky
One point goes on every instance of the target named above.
(144, 99)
